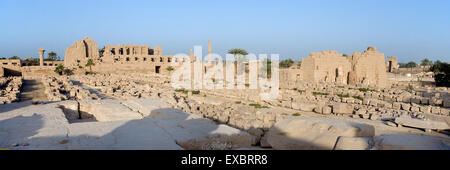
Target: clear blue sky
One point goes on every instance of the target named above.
(408, 29)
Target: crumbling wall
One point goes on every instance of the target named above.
(327, 66)
(369, 67)
(392, 64)
(80, 52)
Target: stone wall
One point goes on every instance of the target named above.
(369, 67)
(366, 68)
(392, 64)
(327, 66)
(80, 52)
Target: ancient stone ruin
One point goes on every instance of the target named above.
(80, 52)
(330, 102)
(366, 68)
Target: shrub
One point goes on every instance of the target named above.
(409, 88)
(59, 69)
(320, 93)
(181, 91)
(170, 68)
(258, 106)
(296, 114)
(358, 97)
(343, 95)
(365, 90)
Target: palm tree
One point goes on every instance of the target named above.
(89, 64)
(237, 52)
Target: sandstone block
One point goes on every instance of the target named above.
(424, 124)
(342, 108)
(314, 133)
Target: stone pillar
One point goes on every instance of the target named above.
(41, 56)
(209, 47)
(209, 52)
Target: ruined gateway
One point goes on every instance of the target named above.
(331, 102)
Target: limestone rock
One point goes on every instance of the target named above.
(108, 110)
(314, 133)
(80, 52)
(354, 143)
(408, 142)
(342, 108)
(424, 124)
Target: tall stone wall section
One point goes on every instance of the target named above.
(369, 67)
(327, 66)
(79, 53)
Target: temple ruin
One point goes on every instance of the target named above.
(80, 52)
(392, 64)
(366, 68)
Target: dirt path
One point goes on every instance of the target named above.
(33, 90)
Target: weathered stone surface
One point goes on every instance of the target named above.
(70, 109)
(424, 124)
(145, 106)
(408, 142)
(314, 133)
(446, 102)
(194, 132)
(326, 110)
(80, 52)
(46, 127)
(354, 143)
(108, 110)
(307, 107)
(342, 108)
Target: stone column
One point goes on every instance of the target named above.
(41, 56)
(209, 47)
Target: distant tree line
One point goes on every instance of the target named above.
(412, 64)
(52, 56)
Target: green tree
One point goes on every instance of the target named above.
(239, 55)
(59, 69)
(411, 64)
(426, 62)
(89, 64)
(442, 74)
(286, 63)
(14, 58)
(52, 56)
